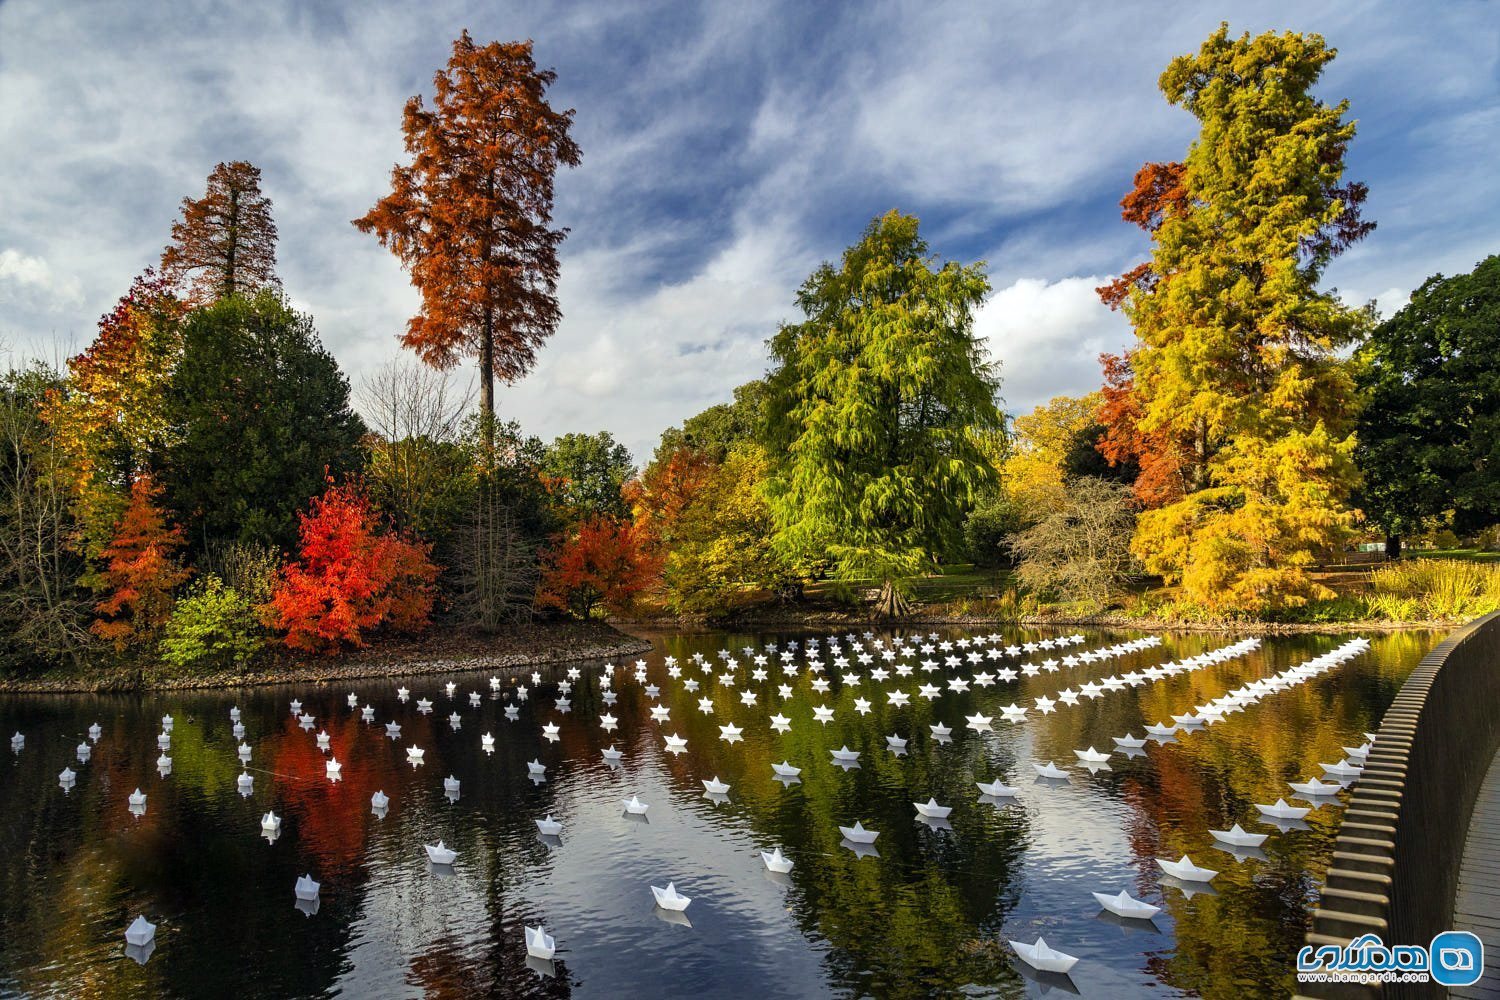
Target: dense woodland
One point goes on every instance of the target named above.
(202, 485)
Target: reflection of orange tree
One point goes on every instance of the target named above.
(330, 819)
(1211, 779)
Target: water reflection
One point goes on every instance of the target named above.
(924, 913)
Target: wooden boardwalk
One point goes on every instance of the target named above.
(1477, 908)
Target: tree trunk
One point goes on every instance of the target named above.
(891, 604)
(1393, 546)
(487, 390)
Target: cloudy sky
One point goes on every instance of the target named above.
(728, 148)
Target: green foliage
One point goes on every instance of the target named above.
(874, 406)
(720, 427)
(989, 530)
(263, 417)
(1429, 436)
(723, 539)
(212, 626)
(587, 471)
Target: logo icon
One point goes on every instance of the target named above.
(1457, 958)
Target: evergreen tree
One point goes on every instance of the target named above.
(875, 404)
(261, 417)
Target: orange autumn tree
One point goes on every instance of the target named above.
(349, 578)
(225, 242)
(140, 571)
(111, 418)
(470, 216)
(602, 561)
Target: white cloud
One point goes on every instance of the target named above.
(1048, 336)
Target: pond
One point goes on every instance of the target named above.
(927, 911)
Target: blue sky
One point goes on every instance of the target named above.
(728, 148)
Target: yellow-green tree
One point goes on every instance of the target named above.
(724, 537)
(1238, 347)
(1034, 471)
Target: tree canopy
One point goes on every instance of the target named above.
(1429, 435)
(874, 401)
(225, 242)
(1238, 364)
(255, 383)
(470, 216)
(586, 472)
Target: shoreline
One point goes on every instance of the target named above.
(839, 619)
(432, 654)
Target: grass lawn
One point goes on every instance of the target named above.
(1469, 555)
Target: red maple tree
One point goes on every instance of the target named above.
(349, 578)
(602, 561)
(140, 571)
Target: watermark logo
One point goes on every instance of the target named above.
(1454, 958)
(1457, 958)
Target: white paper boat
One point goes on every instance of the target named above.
(611, 754)
(440, 853)
(1049, 770)
(1282, 811)
(140, 932)
(536, 767)
(1126, 905)
(415, 753)
(776, 861)
(979, 723)
(1188, 720)
(270, 822)
(896, 743)
(306, 888)
(670, 899)
(333, 767)
(17, 741)
(996, 788)
(932, 810)
(1236, 836)
(1091, 756)
(539, 944)
(164, 762)
(380, 800)
(549, 827)
(424, 705)
(367, 713)
(95, 731)
(1042, 958)
(137, 798)
(66, 776)
(393, 729)
(845, 755)
(245, 780)
(676, 744)
(716, 787)
(166, 723)
(1315, 788)
(634, 806)
(786, 770)
(234, 714)
(1186, 870)
(450, 784)
(939, 730)
(1343, 770)
(857, 834)
(1128, 742)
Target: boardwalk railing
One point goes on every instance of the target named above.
(1395, 863)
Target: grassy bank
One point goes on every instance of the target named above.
(523, 646)
(1417, 592)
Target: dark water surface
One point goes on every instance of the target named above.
(928, 916)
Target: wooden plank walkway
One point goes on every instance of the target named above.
(1477, 908)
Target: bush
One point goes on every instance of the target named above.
(1435, 589)
(989, 530)
(211, 626)
(1081, 551)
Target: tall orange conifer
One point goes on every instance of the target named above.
(225, 242)
(470, 216)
